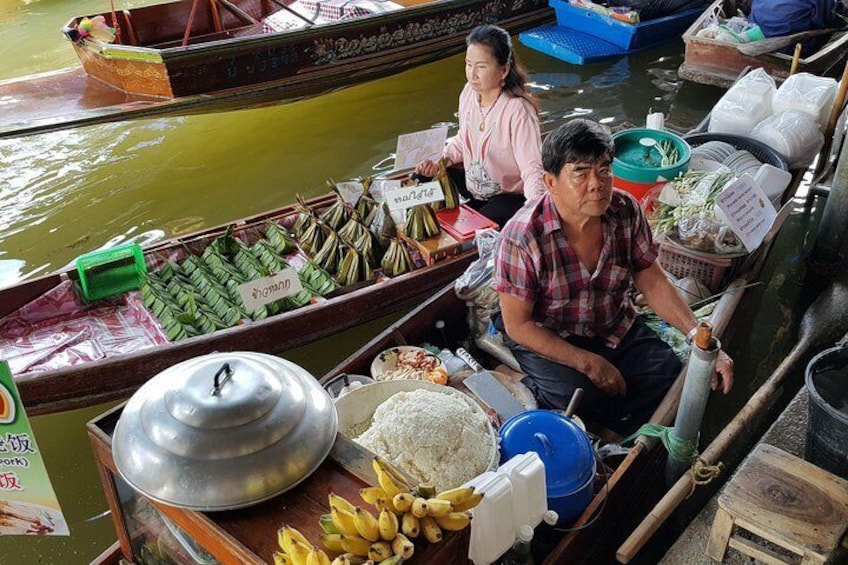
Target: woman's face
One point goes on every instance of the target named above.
(482, 70)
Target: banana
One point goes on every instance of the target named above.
(419, 507)
(282, 558)
(403, 501)
(403, 546)
(436, 507)
(286, 535)
(386, 479)
(468, 503)
(366, 524)
(456, 495)
(431, 529)
(426, 490)
(299, 553)
(380, 551)
(333, 542)
(341, 503)
(317, 557)
(454, 521)
(393, 560)
(343, 520)
(327, 526)
(341, 560)
(410, 525)
(356, 545)
(372, 495)
(388, 524)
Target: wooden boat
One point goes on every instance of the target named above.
(81, 376)
(183, 57)
(718, 63)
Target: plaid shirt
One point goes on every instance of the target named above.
(536, 263)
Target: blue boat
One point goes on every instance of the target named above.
(582, 36)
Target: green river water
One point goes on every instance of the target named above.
(65, 193)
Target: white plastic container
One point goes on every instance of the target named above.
(773, 181)
(743, 106)
(795, 135)
(491, 534)
(526, 472)
(804, 92)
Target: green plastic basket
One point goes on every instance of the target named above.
(110, 272)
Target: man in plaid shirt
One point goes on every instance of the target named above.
(564, 270)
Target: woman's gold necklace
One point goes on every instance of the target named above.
(484, 115)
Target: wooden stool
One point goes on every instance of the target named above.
(784, 500)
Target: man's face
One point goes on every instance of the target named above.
(584, 188)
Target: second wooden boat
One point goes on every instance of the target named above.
(67, 354)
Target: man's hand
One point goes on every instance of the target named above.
(427, 168)
(605, 376)
(723, 372)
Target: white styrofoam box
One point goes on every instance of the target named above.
(491, 534)
(808, 93)
(773, 181)
(526, 472)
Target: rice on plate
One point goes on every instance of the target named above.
(438, 438)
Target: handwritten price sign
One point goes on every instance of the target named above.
(260, 292)
(408, 196)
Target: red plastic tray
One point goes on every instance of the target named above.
(462, 222)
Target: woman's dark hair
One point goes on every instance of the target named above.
(577, 141)
(500, 45)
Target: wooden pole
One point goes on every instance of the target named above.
(216, 17)
(190, 22)
(796, 57)
(835, 112)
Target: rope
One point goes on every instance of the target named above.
(702, 474)
(115, 22)
(678, 449)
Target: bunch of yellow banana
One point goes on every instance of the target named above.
(296, 549)
(451, 195)
(421, 223)
(336, 215)
(359, 535)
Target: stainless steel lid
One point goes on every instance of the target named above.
(224, 431)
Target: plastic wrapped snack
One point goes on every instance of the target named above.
(806, 93)
(794, 134)
(743, 106)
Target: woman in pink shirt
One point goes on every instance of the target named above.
(499, 142)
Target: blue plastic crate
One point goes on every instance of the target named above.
(627, 36)
(569, 45)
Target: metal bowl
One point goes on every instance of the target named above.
(224, 431)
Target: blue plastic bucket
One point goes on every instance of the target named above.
(565, 450)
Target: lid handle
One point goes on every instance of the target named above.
(219, 382)
(546, 443)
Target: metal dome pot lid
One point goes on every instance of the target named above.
(224, 431)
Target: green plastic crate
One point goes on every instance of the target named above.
(110, 272)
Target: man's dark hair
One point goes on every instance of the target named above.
(578, 141)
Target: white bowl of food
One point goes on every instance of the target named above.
(407, 362)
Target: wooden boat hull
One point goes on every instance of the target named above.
(717, 63)
(126, 82)
(117, 377)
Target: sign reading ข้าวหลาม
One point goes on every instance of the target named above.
(258, 293)
(28, 504)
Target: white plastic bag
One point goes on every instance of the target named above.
(475, 284)
(745, 105)
(794, 135)
(806, 93)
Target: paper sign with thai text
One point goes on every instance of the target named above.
(28, 504)
(258, 293)
(412, 148)
(409, 196)
(350, 191)
(748, 210)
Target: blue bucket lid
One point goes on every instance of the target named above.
(563, 447)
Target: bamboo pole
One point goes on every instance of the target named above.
(835, 112)
(822, 323)
(796, 58)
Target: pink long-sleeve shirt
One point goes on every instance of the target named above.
(510, 148)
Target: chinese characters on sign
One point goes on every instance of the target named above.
(28, 504)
